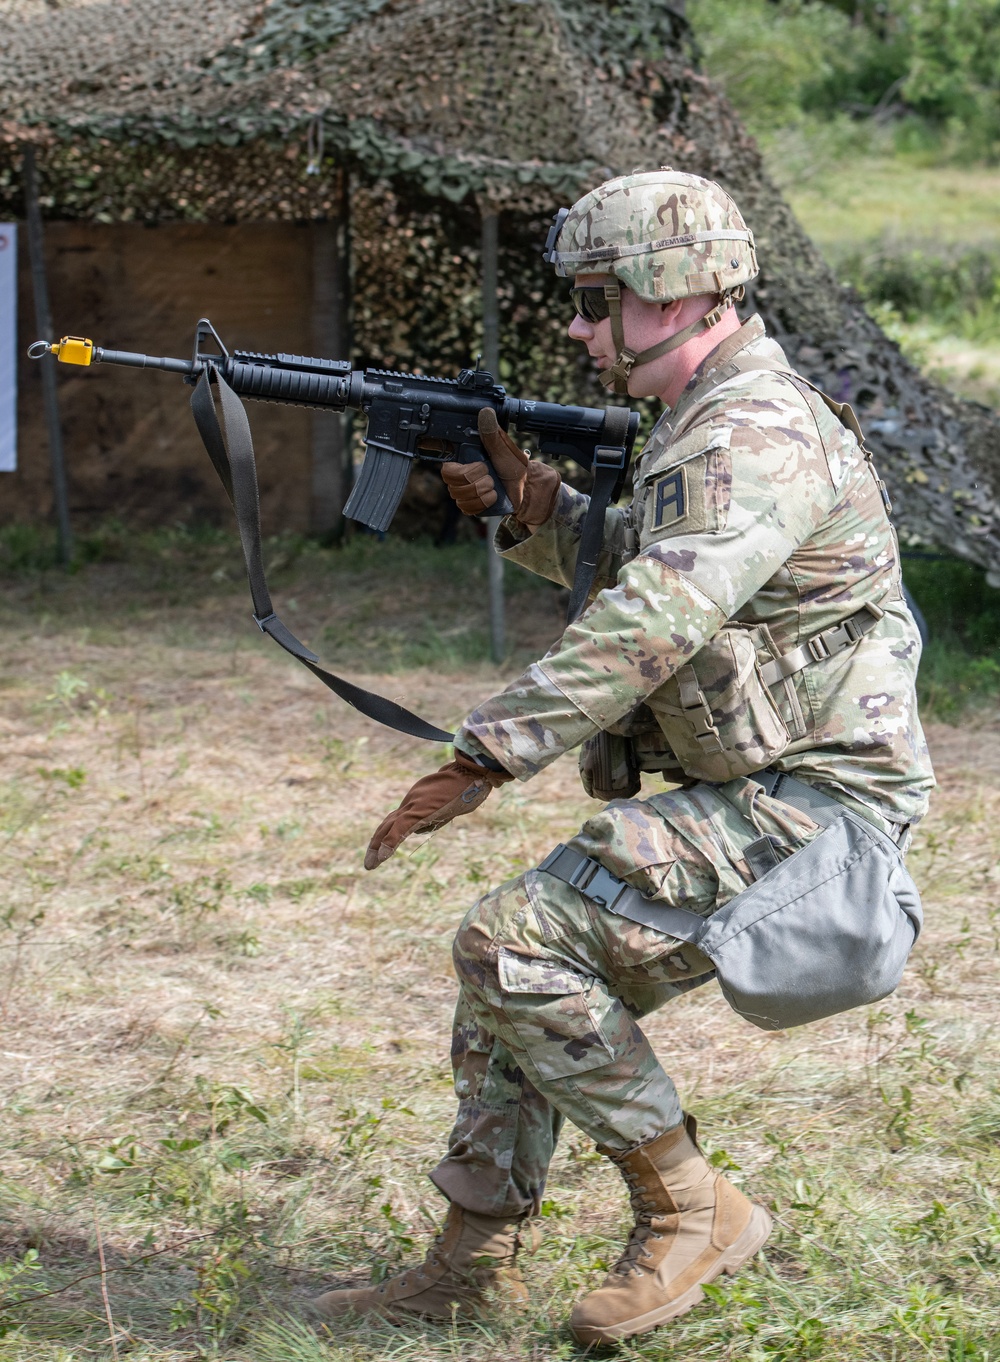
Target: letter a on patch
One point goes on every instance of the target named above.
(671, 500)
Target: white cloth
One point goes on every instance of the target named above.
(8, 347)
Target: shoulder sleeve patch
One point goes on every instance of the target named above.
(670, 499)
(683, 486)
(688, 498)
(674, 500)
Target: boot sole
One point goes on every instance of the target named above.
(740, 1251)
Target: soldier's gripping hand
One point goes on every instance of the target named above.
(531, 485)
(459, 787)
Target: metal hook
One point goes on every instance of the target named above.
(39, 348)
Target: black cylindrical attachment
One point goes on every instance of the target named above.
(552, 417)
(268, 383)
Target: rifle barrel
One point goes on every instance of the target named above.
(134, 361)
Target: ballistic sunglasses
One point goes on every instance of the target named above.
(590, 303)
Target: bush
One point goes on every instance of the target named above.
(27, 548)
(948, 287)
(766, 56)
(933, 66)
(953, 75)
(959, 668)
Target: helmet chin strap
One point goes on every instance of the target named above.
(618, 375)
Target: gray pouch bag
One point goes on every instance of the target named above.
(827, 929)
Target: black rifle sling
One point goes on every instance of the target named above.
(609, 460)
(230, 447)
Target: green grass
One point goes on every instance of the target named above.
(960, 667)
(921, 244)
(393, 606)
(379, 605)
(899, 198)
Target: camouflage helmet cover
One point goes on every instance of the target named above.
(663, 234)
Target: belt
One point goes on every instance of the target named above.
(596, 882)
(822, 808)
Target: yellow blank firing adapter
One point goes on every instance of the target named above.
(74, 350)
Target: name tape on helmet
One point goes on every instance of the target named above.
(645, 247)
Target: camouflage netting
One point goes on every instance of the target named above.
(151, 110)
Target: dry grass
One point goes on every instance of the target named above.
(226, 1046)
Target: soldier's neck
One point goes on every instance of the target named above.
(687, 359)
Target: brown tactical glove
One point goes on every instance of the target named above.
(531, 485)
(457, 788)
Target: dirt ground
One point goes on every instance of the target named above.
(224, 1060)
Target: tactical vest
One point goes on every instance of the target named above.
(717, 717)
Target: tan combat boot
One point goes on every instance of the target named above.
(472, 1260)
(690, 1225)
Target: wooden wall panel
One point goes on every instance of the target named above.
(131, 445)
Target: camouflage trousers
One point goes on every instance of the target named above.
(552, 985)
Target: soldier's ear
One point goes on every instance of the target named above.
(670, 310)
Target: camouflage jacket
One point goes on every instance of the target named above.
(751, 503)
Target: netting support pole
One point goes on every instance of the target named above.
(491, 361)
(43, 324)
(331, 325)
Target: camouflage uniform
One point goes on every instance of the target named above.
(752, 503)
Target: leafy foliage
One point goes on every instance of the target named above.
(930, 66)
(948, 285)
(770, 58)
(953, 74)
(960, 667)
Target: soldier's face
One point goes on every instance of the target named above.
(596, 336)
(644, 324)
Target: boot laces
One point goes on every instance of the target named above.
(433, 1258)
(643, 1209)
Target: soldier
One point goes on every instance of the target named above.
(747, 633)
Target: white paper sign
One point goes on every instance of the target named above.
(8, 347)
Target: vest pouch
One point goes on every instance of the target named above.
(608, 767)
(611, 761)
(717, 714)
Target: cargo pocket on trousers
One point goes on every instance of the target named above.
(547, 1005)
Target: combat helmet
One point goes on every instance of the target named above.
(663, 234)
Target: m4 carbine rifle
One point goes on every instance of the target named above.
(410, 417)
